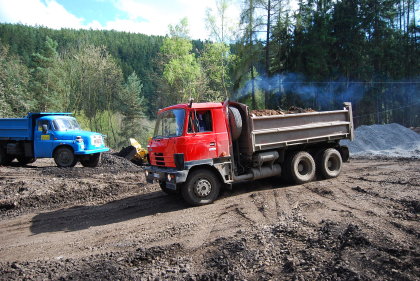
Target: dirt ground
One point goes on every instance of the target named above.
(107, 223)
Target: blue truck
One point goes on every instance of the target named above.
(49, 135)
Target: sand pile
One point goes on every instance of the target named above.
(385, 141)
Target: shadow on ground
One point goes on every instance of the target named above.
(83, 217)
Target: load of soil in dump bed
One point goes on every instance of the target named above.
(384, 141)
(270, 112)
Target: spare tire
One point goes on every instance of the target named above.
(235, 122)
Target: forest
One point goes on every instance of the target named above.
(318, 55)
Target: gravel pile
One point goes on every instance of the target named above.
(384, 141)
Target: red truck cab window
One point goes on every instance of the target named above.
(200, 121)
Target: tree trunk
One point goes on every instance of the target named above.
(267, 52)
(254, 103)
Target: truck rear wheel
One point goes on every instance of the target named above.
(4, 158)
(25, 160)
(91, 161)
(202, 187)
(64, 157)
(329, 163)
(302, 167)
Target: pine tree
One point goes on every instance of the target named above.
(132, 109)
(14, 80)
(47, 78)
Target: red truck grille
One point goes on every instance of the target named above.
(160, 159)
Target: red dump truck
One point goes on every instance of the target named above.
(198, 148)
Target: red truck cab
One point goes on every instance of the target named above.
(193, 133)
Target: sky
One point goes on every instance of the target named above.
(150, 17)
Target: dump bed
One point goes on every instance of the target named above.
(15, 129)
(278, 131)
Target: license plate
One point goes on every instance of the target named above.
(156, 175)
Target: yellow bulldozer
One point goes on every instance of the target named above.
(134, 152)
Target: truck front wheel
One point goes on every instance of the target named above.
(302, 167)
(64, 157)
(329, 163)
(202, 187)
(91, 161)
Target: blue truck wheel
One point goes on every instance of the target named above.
(64, 157)
(25, 160)
(4, 158)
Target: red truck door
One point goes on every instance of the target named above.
(201, 136)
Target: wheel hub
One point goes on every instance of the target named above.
(303, 167)
(300, 168)
(329, 164)
(203, 188)
(332, 164)
(65, 157)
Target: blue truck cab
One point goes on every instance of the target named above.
(49, 135)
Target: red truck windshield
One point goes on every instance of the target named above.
(170, 123)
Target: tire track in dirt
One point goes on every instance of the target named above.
(362, 215)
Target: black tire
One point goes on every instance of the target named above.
(345, 153)
(25, 160)
(168, 191)
(64, 157)
(235, 122)
(92, 161)
(202, 187)
(4, 158)
(302, 167)
(285, 169)
(8, 159)
(329, 163)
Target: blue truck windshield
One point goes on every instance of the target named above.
(170, 123)
(66, 124)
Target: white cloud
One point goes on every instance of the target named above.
(155, 17)
(195, 11)
(142, 18)
(36, 12)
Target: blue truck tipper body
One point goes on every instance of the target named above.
(49, 135)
